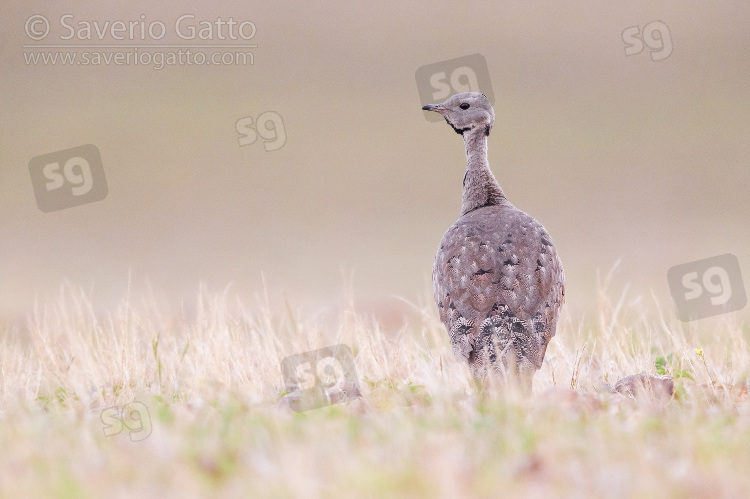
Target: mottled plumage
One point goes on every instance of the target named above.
(497, 279)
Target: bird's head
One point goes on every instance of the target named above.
(466, 111)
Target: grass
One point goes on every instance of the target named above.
(200, 396)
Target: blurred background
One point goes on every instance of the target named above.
(639, 158)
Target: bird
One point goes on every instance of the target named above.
(498, 282)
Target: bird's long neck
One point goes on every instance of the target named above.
(480, 186)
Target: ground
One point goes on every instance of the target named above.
(199, 398)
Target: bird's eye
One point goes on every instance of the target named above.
(464, 106)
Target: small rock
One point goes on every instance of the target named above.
(656, 387)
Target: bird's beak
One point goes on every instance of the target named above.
(432, 107)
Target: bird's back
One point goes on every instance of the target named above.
(497, 280)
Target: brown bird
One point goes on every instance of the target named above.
(498, 282)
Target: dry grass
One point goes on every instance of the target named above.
(211, 383)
